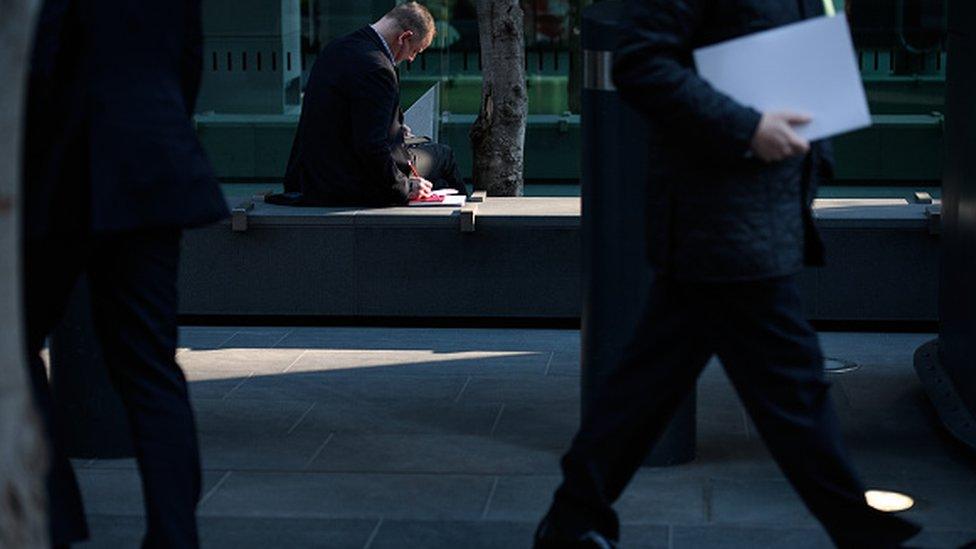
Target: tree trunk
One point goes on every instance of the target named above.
(498, 135)
(22, 454)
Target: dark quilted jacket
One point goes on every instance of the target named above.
(713, 214)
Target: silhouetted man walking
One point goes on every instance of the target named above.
(113, 173)
(729, 226)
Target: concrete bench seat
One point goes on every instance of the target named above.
(520, 259)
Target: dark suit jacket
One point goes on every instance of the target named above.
(108, 132)
(713, 214)
(349, 146)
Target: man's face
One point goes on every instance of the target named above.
(408, 46)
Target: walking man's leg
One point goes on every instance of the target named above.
(51, 268)
(134, 301)
(773, 358)
(632, 404)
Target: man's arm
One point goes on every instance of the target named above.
(653, 71)
(373, 106)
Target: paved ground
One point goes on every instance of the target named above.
(376, 438)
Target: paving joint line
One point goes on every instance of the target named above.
(549, 362)
(318, 452)
(213, 490)
(238, 386)
(707, 500)
(276, 343)
(463, 387)
(498, 419)
(373, 534)
(226, 341)
(299, 357)
(300, 419)
(491, 495)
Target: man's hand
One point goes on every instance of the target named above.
(419, 188)
(407, 132)
(775, 138)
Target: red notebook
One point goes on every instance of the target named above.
(431, 198)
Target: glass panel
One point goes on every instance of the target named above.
(901, 52)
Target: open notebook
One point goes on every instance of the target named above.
(442, 197)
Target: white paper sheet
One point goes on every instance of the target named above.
(422, 115)
(808, 67)
(453, 200)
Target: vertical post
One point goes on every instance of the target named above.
(947, 368)
(616, 274)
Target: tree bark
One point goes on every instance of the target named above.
(22, 453)
(498, 134)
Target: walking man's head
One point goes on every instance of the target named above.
(408, 29)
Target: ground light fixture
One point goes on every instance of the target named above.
(889, 502)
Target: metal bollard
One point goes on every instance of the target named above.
(616, 274)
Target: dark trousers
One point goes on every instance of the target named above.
(773, 358)
(132, 280)
(435, 162)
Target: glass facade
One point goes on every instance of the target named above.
(453, 58)
(901, 52)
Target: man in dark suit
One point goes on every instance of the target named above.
(113, 173)
(729, 226)
(350, 148)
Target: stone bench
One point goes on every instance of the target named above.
(517, 258)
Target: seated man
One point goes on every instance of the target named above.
(352, 148)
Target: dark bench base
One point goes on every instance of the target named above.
(522, 260)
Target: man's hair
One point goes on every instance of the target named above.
(415, 17)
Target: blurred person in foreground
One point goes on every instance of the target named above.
(113, 174)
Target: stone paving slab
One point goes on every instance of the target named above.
(547, 389)
(257, 338)
(647, 500)
(119, 491)
(342, 415)
(320, 387)
(425, 453)
(734, 537)
(406, 437)
(114, 532)
(468, 534)
(347, 495)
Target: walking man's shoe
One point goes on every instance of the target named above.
(547, 537)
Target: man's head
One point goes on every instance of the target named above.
(408, 29)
